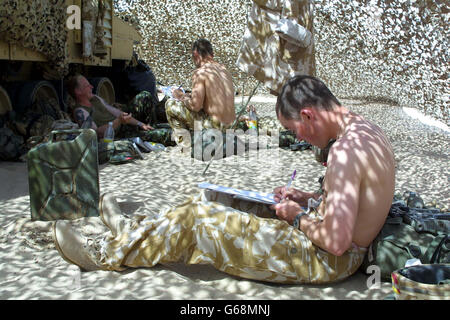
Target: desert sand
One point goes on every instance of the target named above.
(31, 268)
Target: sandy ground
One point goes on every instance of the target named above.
(31, 268)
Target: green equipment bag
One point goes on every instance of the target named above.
(63, 176)
(117, 152)
(161, 135)
(11, 145)
(410, 233)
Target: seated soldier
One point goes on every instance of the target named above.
(93, 112)
(212, 99)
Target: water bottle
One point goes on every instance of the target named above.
(252, 122)
(108, 139)
(109, 133)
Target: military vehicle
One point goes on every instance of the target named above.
(27, 75)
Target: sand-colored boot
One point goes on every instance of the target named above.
(111, 214)
(75, 248)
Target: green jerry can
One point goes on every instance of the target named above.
(63, 176)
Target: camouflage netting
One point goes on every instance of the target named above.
(169, 28)
(390, 50)
(394, 50)
(37, 25)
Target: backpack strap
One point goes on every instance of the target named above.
(433, 253)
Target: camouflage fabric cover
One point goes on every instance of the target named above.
(47, 108)
(37, 25)
(43, 129)
(241, 143)
(144, 108)
(267, 56)
(93, 12)
(204, 145)
(410, 233)
(38, 121)
(287, 138)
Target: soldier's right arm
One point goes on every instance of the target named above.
(83, 119)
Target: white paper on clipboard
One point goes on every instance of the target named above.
(254, 196)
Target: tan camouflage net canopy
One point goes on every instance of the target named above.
(37, 25)
(391, 50)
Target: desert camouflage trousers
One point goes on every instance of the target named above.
(180, 117)
(205, 231)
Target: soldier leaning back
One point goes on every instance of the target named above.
(93, 112)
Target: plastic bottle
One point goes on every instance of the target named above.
(252, 123)
(109, 133)
(108, 139)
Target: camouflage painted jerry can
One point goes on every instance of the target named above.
(63, 176)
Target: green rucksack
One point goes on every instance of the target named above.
(117, 152)
(11, 145)
(410, 233)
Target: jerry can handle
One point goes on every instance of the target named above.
(58, 132)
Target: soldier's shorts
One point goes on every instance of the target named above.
(205, 231)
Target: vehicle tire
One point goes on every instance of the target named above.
(104, 88)
(32, 91)
(62, 94)
(5, 102)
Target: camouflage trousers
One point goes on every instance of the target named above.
(241, 243)
(179, 117)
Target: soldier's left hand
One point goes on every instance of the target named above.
(287, 210)
(146, 127)
(177, 94)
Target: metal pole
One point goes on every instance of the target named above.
(237, 119)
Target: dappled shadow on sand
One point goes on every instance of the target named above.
(33, 269)
(30, 267)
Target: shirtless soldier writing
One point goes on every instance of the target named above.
(212, 99)
(359, 181)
